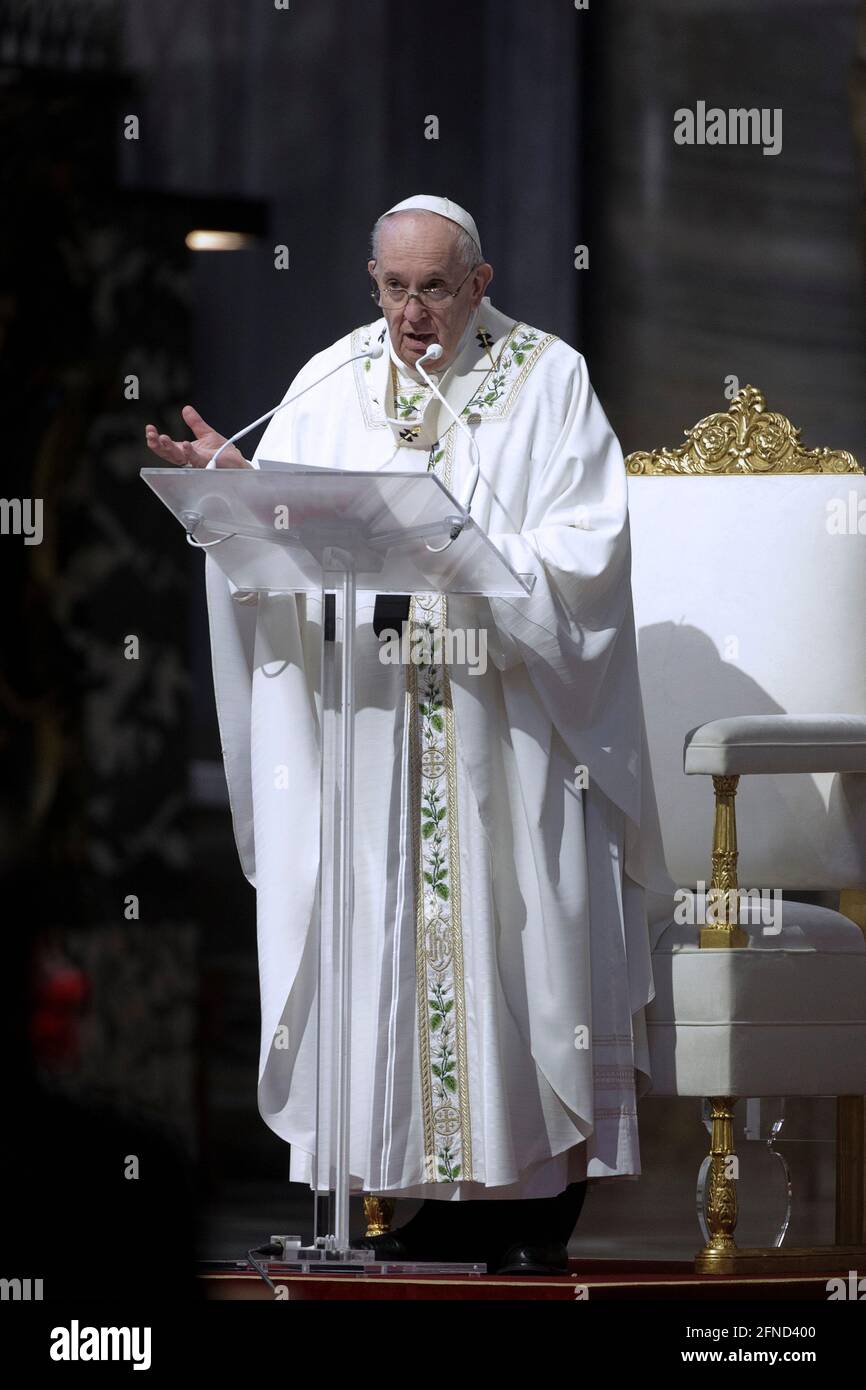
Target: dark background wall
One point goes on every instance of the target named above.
(720, 260)
(555, 128)
(320, 111)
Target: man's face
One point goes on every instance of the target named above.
(416, 252)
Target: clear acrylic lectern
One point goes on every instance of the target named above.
(285, 529)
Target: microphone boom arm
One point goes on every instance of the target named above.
(434, 351)
(373, 352)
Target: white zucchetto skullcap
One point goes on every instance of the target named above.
(427, 202)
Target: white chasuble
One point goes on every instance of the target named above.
(505, 833)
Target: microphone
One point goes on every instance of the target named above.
(373, 353)
(392, 610)
(433, 353)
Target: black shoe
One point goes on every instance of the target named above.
(546, 1257)
(439, 1231)
(414, 1240)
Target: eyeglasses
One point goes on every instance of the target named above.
(395, 296)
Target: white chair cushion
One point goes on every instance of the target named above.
(777, 743)
(785, 1015)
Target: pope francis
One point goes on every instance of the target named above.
(501, 954)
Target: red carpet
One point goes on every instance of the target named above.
(604, 1280)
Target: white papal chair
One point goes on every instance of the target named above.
(749, 579)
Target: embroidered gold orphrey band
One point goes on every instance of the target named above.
(436, 845)
(439, 928)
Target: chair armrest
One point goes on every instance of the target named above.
(777, 743)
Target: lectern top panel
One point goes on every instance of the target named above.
(284, 528)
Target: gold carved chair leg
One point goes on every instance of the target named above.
(379, 1212)
(721, 1188)
(721, 1254)
(722, 932)
(723, 914)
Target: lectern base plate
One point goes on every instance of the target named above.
(354, 1265)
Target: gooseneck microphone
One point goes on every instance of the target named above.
(433, 353)
(372, 352)
(392, 610)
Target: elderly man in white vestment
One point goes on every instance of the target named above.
(501, 956)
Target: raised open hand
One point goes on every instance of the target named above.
(197, 452)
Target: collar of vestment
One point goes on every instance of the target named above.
(422, 418)
(410, 375)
